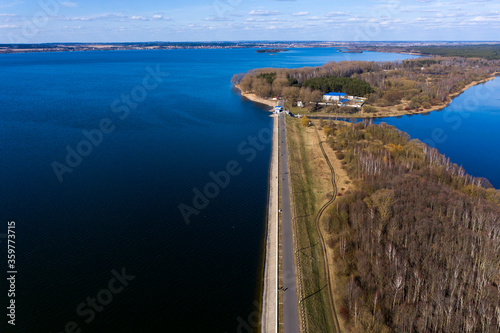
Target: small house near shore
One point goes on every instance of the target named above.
(334, 96)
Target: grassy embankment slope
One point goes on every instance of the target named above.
(413, 242)
(312, 189)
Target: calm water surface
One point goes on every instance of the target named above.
(118, 208)
(467, 130)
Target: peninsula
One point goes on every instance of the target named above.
(383, 89)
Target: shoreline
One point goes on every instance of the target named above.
(391, 111)
(269, 304)
(269, 310)
(384, 112)
(254, 98)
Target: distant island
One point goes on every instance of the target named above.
(350, 51)
(272, 50)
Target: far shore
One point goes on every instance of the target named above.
(384, 112)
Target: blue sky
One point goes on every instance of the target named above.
(35, 21)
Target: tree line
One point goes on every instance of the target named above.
(348, 85)
(485, 51)
(490, 52)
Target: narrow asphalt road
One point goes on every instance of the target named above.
(290, 306)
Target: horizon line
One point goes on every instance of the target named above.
(266, 41)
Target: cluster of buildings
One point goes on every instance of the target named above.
(279, 109)
(342, 99)
(332, 98)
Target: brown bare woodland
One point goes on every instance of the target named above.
(417, 244)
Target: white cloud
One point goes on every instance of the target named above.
(108, 17)
(485, 19)
(158, 17)
(116, 17)
(218, 19)
(263, 12)
(315, 18)
(11, 4)
(335, 14)
(301, 14)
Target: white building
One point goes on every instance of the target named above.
(334, 96)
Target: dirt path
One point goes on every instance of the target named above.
(320, 233)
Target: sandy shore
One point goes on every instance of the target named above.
(270, 288)
(256, 99)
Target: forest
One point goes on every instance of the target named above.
(409, 85)
(348, 85)
(490, 52)
(416, 243)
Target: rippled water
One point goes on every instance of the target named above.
(118, 208)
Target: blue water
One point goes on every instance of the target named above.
(118, 207)
(466, 130)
